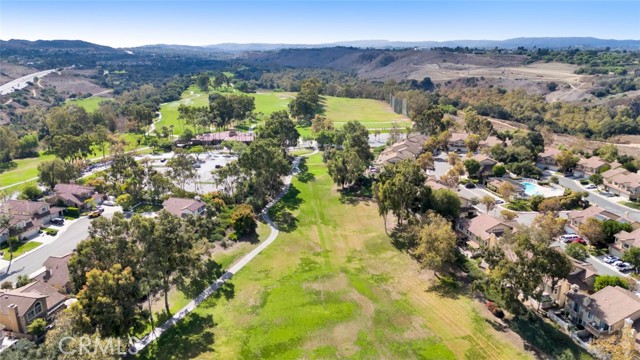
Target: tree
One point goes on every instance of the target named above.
(13, 244)
(596, 179)
(279, 127)
(508, 214)
(31, 192)
(452, 158)
(632, 256)
(619, 347)
(321, 123)
(203, 82)
(56, 171)
(476, 124)
(472, 142)
(472, 166)
(489, 202)
(307, 103)
(10, 142)
(430, 122)
(398, 187)
(37, 326)
(425, 161)
(446, 203)
(499, 170)
(550, 225)
(345, 167)
(126, 201)
(181, 169)
(550, 205)
(262, 166)
(243, 220)
(611, 228)
(450, 179)
(608, 152)
(566, 160)
(109, 301)
(577, 251)
(436, 244)
(602, 281)
(506, 189)
(356, 138)
(592, 231)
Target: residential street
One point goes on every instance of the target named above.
(601, 201)
(63, 245)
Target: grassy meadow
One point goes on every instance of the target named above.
(373, 114)
(333, 287)
(90, 104)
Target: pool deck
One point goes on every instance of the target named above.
(546, 191)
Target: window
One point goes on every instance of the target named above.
(626, 246)
(589, 315)
(37, 309)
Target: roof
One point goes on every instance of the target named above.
(614, 165)
(176, 206)
(24, 207)
(593, 162)
(491, 141)
(408, 148)
(482, 157)
(457, 136)
(73, 189)
(57, 271)
(23, 300)
(611, 304)
(633, 237)
(54, 298)
(613, 172)
(592, 211)
(225, 136)
(432, 183)
(481, 224)
(550, 152)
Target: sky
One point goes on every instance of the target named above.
(125, 23)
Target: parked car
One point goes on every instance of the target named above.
(590, 187)
(607, 194)
(625, 266)
(109, 203)
(579, 241)
(616, 263)
(499, 201)
(218, 166)
(566, 238)
(163, 160)
(94, 214)
(100, 209)
(57, 221)
(610, 259)
(470, 185)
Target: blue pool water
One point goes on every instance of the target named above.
(530, 189)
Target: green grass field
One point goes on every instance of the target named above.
(371, 113)
(90, 104)
(333, 287)
(23, 248)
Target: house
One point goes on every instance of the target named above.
(183, 207)
(486, 164)
(547, 160)
(625, 241)
(56, 273)
(603, 313)
(26, 217)
(467, 205)
(483, 230)
(575, 218)
(457, 143)
(219, 137)
(588, 167)
(20, 307)
(408, 148)
(622, 182)
(74, 195)
(582, 277)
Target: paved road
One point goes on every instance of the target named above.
(599, 200)
(157, 332)
(21, 82)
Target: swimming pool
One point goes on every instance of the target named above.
(535, 189)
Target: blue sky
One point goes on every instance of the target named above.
(137, 22)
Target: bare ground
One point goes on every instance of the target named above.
(68, 82)
(10, 71)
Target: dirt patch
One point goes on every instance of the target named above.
(69, 82)
(10, 71)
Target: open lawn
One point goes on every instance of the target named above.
(22, 248)
(90, 104)
(333, 287)
(373, 114)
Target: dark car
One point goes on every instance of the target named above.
(470, 185)
(218, 166)
(163, 160)
(57, 221)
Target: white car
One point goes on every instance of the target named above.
(108, 203)
(590, 187)
(625, 266)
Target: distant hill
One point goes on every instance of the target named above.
(14, 44)
(553, 43)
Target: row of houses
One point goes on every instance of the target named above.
(27, 217)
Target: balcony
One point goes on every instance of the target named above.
(596, 331)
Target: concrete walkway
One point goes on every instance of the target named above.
(155, 333)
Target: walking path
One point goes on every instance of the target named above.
(155, 333)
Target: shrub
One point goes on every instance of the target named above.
(52, 232)
(577, 251)
(584, 181)
(543, 183)
(37, 326)
(603, 281)
(22, 281)
(73, 212)
(6, 285)
(495, 310)
(243, 220)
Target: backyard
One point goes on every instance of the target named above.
(332, 286)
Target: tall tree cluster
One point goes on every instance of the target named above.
(345, 165)
(307, 102)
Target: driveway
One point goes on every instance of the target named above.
(601, 267)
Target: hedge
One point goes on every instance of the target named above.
(73, 212)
